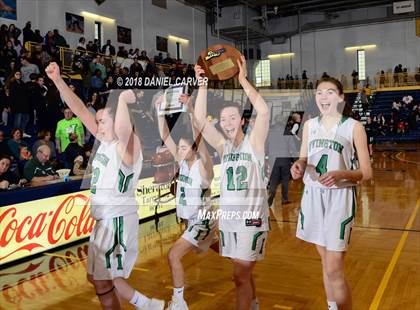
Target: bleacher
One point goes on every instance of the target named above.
(383, 104)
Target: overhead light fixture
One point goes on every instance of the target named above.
(97, 17)
(177, 39)
(281, 55)
(360, 47)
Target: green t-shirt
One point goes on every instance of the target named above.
(33, 168)
(66, 127)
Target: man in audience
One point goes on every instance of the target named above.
(27, 69)
(108, 49)
(73, 150)
(65, 127)
(168, 60)
(158, 58)
(39, 168)
(136, 66)
(59, 39)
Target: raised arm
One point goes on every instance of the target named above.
(71, 99)
(262, 121)
(129, 145)
(206, 167)
(164, 133)
(209, 132)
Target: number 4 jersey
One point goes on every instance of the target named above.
(113, 183)
(329, 150)
(243, 192)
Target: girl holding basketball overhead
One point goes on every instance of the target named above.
(192, 196)
(243, 223)
(327, 164)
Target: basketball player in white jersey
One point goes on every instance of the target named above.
(192, 196)
(116, 169)
(244, 223)
(327, 164)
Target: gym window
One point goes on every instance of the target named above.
(361, 64)
(262, 73)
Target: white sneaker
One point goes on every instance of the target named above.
(255, 305)
(153, 304)
(177, 304)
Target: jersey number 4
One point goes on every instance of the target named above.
(321, 167)
(241, 176)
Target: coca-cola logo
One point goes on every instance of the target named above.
(71, 219)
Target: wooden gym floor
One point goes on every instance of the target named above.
(382, 264)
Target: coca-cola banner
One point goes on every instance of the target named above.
(36, 226)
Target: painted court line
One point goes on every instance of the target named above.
(283, 307)
(384, 283)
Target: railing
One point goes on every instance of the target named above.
(67, 56)
(397, 79)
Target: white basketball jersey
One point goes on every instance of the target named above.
(243, 192)
(190, 191)
(113, 183)
(329, 150)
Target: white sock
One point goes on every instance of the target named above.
(179, 293)
(332, 305)
(139, 300)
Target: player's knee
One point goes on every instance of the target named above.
(242, 275)
(334, 272)
(173, 256)
(103, 287)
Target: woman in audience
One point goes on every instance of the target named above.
(7, 177)
(16, 142)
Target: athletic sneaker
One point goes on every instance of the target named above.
(153, 304)
(177, 304)
(255, 305)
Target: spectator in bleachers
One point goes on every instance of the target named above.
(14, 32)
(7, 177)
(136, 66)
(44, 138)
(90, 47)
(4, 30)
(37, 94)
(82, 44)
(59, 39)
(50, 43)
(10, 69)
(168, 60)
(122, 52)
(304, 79)
(9, 52)
(108, 49)
(397, 71)
(38, 37)
(105, 90)
(66, 126)
(4, 147)
(98, 63)
(143, 56)
(27, 69)
(355, 78)
(19, 102)
(382, 79)
(39, 168)
(96, 81)
(159, 58)
(16, 142)
(28, 34)
(17, 46)
(417, 77)
(5, 102)
(73, 150)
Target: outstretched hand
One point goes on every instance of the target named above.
(53, 72)
(242, 68)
